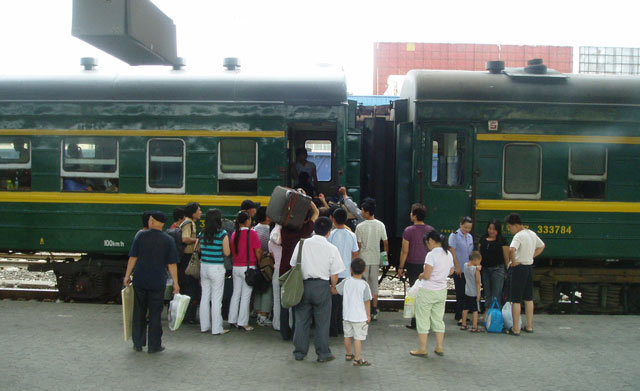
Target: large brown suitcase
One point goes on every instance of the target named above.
(288, 207)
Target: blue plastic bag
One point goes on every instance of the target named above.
(494, 322)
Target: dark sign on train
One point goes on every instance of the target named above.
(135, 31)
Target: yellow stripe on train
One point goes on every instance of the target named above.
(557, 138)
(124, 198)
(559, 206)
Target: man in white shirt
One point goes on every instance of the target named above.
(525, 246)
(320, 264)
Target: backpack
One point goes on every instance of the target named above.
(176, 235)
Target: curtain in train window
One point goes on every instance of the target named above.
(522, 171)
(15, 163)
(587, 171)
(238, 156)
(90, 154)
(447, 159)
(166, 164)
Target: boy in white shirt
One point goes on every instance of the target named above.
(356, 311)
(370, 233)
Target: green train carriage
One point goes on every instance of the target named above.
(561, 150)
(152, 142)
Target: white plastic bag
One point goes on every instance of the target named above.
(507, 316)
(177, 309)
(409, 310)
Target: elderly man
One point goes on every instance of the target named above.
(320, 262)
(152, 252)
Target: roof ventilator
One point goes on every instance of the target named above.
(535, 66)
(89, 63)
(495, 67)
(231, 63)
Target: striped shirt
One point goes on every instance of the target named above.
(211, 252)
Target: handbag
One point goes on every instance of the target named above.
(291, 285)
(266, 265)
(251, 276)
(494, 322)
(193, 268)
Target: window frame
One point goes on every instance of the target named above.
(19, 166)
(237, 176)
(89, 174)
(331, 160)
(590, 178)
(165, 190)
(529, 196)
(462, 162)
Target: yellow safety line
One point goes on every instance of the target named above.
(559, 206)
(142, 132)
(121, 198)
(556, 138)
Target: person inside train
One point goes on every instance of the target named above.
(304, 165)
(304, 183)
(75, 184)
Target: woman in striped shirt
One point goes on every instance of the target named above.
(213, 242)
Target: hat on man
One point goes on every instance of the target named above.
(159, 216)
(248, 204)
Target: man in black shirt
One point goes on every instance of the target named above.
(151, 253)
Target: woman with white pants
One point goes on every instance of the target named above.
(275, 248)
(241, 298)
(213, 243)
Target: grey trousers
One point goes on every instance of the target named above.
(316, 304)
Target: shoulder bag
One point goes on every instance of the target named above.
(251, 276)
(193, 268)
(291, 286)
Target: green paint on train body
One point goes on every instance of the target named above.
(462, 162)
(278, 107)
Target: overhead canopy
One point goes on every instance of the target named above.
(324, 89)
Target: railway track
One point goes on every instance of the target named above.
(29, 294)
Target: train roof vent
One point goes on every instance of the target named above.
(495, 67)
(179, 64)
(89, 63)
(231, 63)
(536, 66)
(535, 69)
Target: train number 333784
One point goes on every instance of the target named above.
(554, 229)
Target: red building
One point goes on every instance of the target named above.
(397, 58)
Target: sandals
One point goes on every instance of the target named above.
(349, 357)
(439, 353)
(476, 330)
(464, 328)
(361, 363)
(528, 331)
(510, 332)
(416, 353)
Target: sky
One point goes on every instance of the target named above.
(282, 36)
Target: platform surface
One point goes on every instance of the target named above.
(73, 346)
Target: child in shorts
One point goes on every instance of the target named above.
(356, 311)
(472, 291)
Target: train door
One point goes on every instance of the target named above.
(321, 150)
(446, 186)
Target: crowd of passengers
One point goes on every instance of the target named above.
(340, 260)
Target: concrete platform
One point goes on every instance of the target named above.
(58, 346)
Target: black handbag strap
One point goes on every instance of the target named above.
(248, 257)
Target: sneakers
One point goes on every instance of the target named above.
(264, 321)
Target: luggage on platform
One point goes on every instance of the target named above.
(288, 207)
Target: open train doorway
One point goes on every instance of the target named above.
(318, 172)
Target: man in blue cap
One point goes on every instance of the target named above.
(152, 252)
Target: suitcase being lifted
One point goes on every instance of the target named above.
(288, 207)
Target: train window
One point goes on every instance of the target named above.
(15, 163)
(237, 166)
(587, 171)
(89, 163)
(522, 171)
(165, 166)
(447, 164)
(319, 153)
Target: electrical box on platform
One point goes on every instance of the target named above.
(135, 31)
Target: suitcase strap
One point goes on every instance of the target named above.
(290, 204)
